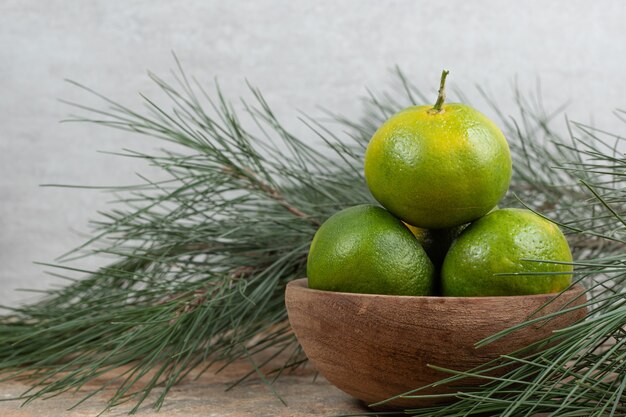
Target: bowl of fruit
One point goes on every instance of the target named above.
(395, 292)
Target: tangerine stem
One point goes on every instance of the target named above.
(442, 92)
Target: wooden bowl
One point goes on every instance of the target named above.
(376, 346)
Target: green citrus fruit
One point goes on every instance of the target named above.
(436, 242)
(365, 249)
(507, 241)
(439, 167)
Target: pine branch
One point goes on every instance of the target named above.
(203, 255)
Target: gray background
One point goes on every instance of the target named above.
(301, 54)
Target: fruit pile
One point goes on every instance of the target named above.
(439, 172)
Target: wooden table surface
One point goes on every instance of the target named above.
(206, 397)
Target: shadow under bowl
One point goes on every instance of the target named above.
(374, 346)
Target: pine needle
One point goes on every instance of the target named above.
(202, 256)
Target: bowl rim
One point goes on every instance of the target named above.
(573, 289)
